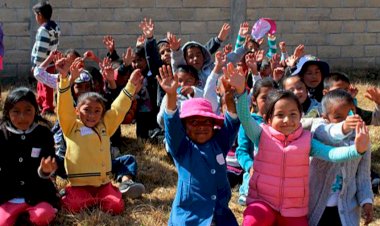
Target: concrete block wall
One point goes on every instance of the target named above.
(345, 33)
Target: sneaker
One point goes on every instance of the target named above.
(131, 189)
(242, 200)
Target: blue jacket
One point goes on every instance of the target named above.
(203, 191)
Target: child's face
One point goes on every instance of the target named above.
(338, 111)
(296, 86)
(286, 117)
(312, 76)
(39, 18)
(186, 79)
(22, 115)
(165, 53)
(194, 57)
(80, 88)
(200, 129)
(266, 71)
(70, 58)
(139, 63)
(90, 112)
(261, 98)
(339, 85)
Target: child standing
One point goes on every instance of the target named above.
(26, 163)
(46, 41)
(88, 157)
(199, 153)
(343, 189)
(278, 190)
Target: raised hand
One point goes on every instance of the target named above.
(187, 91)
(227, 48)
(250, 61)
(136, 79)
(168, 81)
(220, 61)
(362, 140)
(128, 57)
(350, 123)
(48, 165)
(299, 51)
(76, 68)
(291, 61)
(174, 43)
(282, 46)
(147, 28)
(223, 33)
(140, 40)
(90, 55)
(62, 66)
(235, 78)
(367, 213)
(373, 94)
(107, 70)
(244, 29)
(109, 42)
(353, 91)
(278, 73)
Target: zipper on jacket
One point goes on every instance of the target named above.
(285, 143)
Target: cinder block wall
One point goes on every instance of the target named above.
(345, 33)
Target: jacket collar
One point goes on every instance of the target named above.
(12, 129)
(281, 137)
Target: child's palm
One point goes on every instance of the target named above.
(167, 81)
(362, 139)
(373, 94)
(48, 165)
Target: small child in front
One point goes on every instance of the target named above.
(87, 130)
(279, 187)
(199, 151)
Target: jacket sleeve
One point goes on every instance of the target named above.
(239, 42)
(209, 91)
(243, 151)
(363, 180)
(333, 132)
(332, 154)
(174, 133)
(227, 134)
(119, 108)
(152, 56)
(45, 77)
(41, 46)
(65, 107)
(213, 45)
(177, 59)
(251, 128)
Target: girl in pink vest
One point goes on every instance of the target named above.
(279, 188)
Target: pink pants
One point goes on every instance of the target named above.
(260, 213)
(41, 214)
(45, 95)
(107, 196)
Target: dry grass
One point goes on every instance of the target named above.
(159, 176)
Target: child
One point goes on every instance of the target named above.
(199, 153)
(46, 41)
(88, 157)
(310, 107)
(26, 163)
(244, 151)
(312, 71)
(342, 188)
(278, 190)
(339, 80)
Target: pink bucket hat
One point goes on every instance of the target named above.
(199, 107)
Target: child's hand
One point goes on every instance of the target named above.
(278, 73)
(353, 91)
(291, 61)
(373, 94)
(168, 81)
(136, 79)
(235, 78)
(109, 42)
(76, 68)
(90, 55)
(259, 55)
(174, 43)
(48, 165)
(250, 61)
(350, 123)
(220, 61)
(247, 41)
(62, 66)
(223, 33)
(227, 48)
(362, 140)
(187, 90)
(244, 29)
(251, 171)
(128, 57)
(106, 69)
(367, 213)
(299, 52)
(147, 28)
(140, 41)
(282, 46)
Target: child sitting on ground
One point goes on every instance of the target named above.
(87, 129)
(199, 152)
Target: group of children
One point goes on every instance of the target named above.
(284, 127)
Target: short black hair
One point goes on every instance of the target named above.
(274, 96)
(72, 51)
(335, 77)
(188, 69)
(140, 51)
(267, 82)
(336, 96)
(44, 8)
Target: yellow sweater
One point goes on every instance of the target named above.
(88, 156)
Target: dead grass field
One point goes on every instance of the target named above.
(159, 176)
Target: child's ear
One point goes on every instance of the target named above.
(324, 92)
(77, 111)
(324, 116)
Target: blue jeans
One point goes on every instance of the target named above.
(124, 165)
